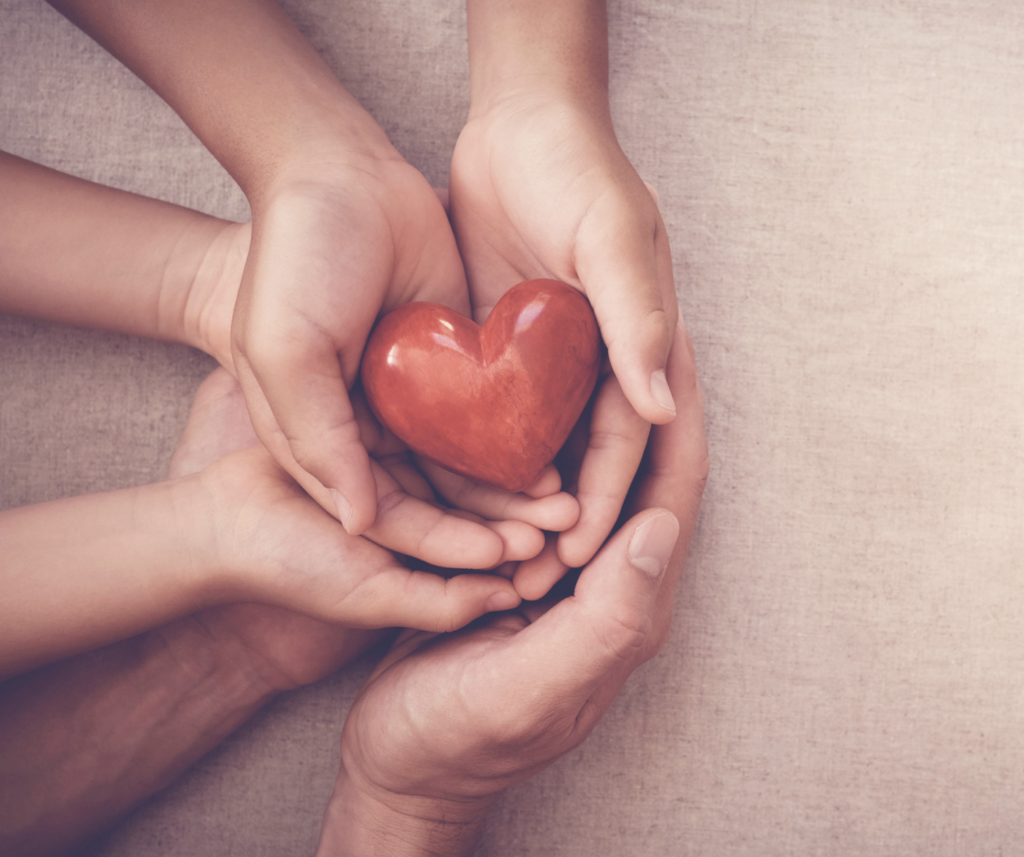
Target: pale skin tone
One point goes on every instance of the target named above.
(71, 571)
(192, 681)
(446, 723)
(85, 740)
(344, 228)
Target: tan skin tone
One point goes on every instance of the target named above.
(208, 672)
(446, 723)
(179, 283)
(155, 703)
(344, 228)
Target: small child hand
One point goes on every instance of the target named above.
(273, 544)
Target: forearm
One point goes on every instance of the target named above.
(557, 48)
(241, 76)
(85, 740)
(76, 252)
(84, 571)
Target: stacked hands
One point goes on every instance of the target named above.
(295, 530)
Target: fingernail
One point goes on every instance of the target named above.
(652, 544)
(344, 509)
(502, 600)
(661, 392)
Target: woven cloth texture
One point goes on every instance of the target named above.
(843, 185)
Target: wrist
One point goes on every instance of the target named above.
(203, 309)
(337, 136)
(128, 720)
(330, 168)
(207, 575)
(363, 821)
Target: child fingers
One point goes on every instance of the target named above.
(618, 436)
(555, 512)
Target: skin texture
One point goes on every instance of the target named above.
(82, 572)
(86, 739)
(446, 723)
(541, 188)
(343, 228)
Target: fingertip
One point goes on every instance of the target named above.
(640, 369)
(356, 507)
(576, 547)
(560, 512)
(468, 544)
(470, 596)
(343, 510)
(441, 606)
(652, 543)
(520, 541)
(535, 578)
(503, 599)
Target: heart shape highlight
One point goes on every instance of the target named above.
(493, 402)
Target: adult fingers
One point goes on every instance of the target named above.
(676, 467)
(592, 641)
(620, 612)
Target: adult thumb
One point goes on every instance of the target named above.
(615, 606)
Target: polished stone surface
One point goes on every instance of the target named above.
(494, 402)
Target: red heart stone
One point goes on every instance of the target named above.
(494, 402)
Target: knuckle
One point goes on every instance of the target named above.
(388, 501)
(314, 453)
(626, 636)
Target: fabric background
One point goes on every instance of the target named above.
(843, 184)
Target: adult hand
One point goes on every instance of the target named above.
(541, 188)
(446, 723)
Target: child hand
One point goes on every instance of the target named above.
(334, 244)
(540, 188)
(286, 649)
(274, 545)
(515, 520)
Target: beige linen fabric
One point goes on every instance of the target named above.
(843, 184)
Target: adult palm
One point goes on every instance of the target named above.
(447, 722)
